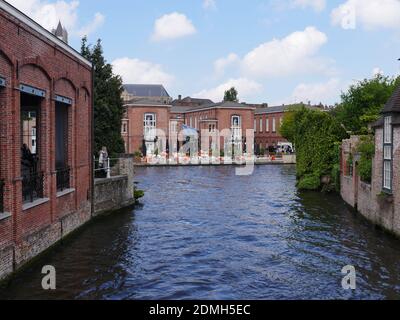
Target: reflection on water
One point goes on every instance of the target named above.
(204, 233)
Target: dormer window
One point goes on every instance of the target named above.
(388, 154)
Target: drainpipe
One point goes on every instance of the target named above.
(92, 147)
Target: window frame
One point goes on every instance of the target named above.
(387, 167)
(153, 125)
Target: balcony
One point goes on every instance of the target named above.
(32, 187)
(63, 179)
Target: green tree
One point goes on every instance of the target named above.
(231, 95)
(108, 104)
(315, 134)
(363, 102)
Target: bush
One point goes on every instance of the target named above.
(366, 148)
(335, 174)
(316, 135)
(137, 154)
(309, 182)
(137, 194)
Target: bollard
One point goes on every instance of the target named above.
(108, 169)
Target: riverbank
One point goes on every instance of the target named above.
(185, 162)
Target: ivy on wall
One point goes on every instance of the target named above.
(316, 135)
(366, 149)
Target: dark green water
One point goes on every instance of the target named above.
(204, 233)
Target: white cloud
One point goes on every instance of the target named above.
(377, 71)
(245, 87)
(97, 22)
(221, 64)
(370, 14)
(317, 5)
(209, 4)
(138, 71)
(172, 26)
(294, 54)
(49, 13)
(326, 92)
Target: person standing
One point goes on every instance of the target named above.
(103, 160)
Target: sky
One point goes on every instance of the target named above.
(272, 51)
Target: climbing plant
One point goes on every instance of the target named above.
(315, 134)
(366, 149)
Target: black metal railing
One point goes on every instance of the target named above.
(1, 196)
(63, 179)
(32, 186)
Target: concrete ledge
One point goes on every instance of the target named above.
(4, 215)
(65, 192)
(108, 180)
(35, 203)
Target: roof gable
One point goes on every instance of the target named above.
(393, 105)
(146, 90)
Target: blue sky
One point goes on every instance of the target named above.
(272, 51)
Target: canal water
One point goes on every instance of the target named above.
(205, 233)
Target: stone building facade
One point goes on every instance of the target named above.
(45, 139)
(378, 201)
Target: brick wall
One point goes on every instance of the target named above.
(267, 138)
(370, 201)
(29, 56)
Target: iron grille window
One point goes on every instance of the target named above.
(63, 179)
(32, 186)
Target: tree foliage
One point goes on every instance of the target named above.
(363, 102)
(366, 149)
(315, 134)
(231, 95)
(108, 104)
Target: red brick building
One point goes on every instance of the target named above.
(267, 123)
(45, 139)
(146, 121)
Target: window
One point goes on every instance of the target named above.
(62, 138)
(387, 154)
(261, 124)
(173, 127)
(124, 127)
(236, 128)
(195, 122)
(32, 177)
(273, 124)
(388, 130)
(191, 122)
(387, 175)
(149, 126)
(255, 125)
(267, 124)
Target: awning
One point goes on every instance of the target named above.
(64, 100)
(32, 90)
(189, 132)
(2, 82)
